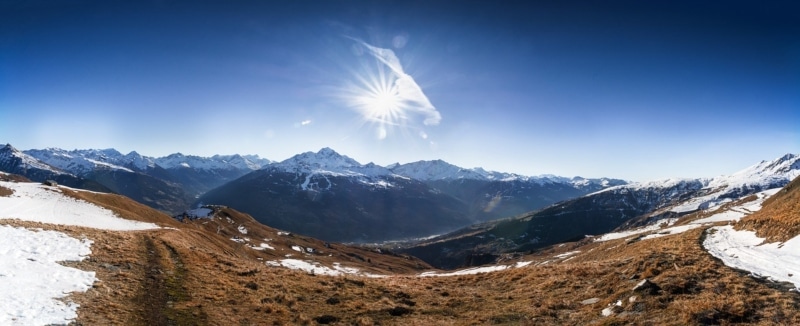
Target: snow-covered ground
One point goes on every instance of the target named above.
(744, 250)
(645, 229)
(32, 283)
(477, 270)
(317, 268)
(39, 203)
(664, 227)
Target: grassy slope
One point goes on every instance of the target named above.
(779, 219)
(191, 276)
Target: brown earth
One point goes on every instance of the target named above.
(194, 274)
(779, 219)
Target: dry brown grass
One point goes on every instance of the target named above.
(5, 192)
(195, 275)
(13, 177)
(123, 206)
(779, 219)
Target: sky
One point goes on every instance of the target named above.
(637, 90)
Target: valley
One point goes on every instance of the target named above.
(666, 261)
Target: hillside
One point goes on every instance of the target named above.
(615, 208)
(779, 220)
(176, 182)
(332, 196)
(161, 276)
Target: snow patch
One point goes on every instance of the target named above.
(567, 254)
(318, 269)
(32, 283)
(745, 250)
(671, 231)
(38, 203)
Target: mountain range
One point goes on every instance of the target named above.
(618, 207)
(169, 184)
(333, 197)
(478, 214)
(323, 194)
(145, 267)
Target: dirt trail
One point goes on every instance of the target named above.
(163, 294)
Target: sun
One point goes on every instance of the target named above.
(377, 97)
(383, 105)
(385, 96)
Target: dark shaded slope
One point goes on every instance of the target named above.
(490, 200)
(571, 220)
(341, 208)
(153, 192)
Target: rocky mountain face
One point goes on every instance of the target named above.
(333, 197)
(193, 174)
(15, 161)
(323, 194)
(169, 183)
(618, 207)
(491, 195)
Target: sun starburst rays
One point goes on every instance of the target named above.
(385, 96)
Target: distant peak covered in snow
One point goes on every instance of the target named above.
(25, 161)
(327, 161)
(216, 162)
(87, 160)
(441, 170)
(80, 161)
(437, 170)
(763, 174)
(711, 192)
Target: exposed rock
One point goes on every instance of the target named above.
(646, 287)
(590, 301)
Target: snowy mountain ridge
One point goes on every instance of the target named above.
(83, 161)
(711, 192)
(79, 162)
(8, 153)
(328, 162)
(441, 170)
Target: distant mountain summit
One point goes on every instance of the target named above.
(87, 160)
(334, 197)
(440, 170)
(710, 192)
(168, 183)
(323, 193)
(328, 162)
(15, 161)
(619, 207)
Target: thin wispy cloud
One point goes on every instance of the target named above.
(302, 123)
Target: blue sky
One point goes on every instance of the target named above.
(638, 90)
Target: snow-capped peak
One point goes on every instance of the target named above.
(139, 161)
(711, 192)
(26, 161)
(80, 162)
(438, 170)
(441, 170)
(216, 162)
(763, 174)
(328, 161)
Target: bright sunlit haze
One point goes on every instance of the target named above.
(637, 90)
